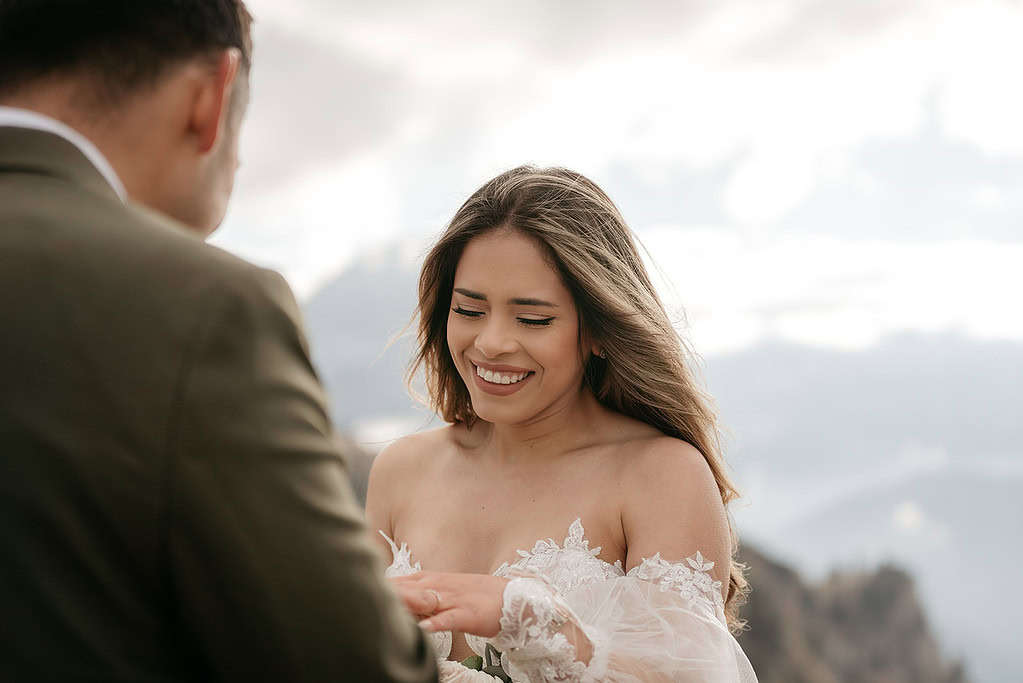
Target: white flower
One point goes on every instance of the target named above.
(453, 672)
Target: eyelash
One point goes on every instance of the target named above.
(525, 321)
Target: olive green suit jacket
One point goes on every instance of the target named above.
(173, 502)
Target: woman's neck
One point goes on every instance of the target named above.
(564, 426)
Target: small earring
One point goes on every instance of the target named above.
(603, 354)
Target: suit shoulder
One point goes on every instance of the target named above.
(182, 248)
(185, 270)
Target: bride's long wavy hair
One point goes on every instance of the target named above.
(646, 375)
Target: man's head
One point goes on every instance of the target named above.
(160, 86)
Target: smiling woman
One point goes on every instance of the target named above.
(501, 328)
(569, 400)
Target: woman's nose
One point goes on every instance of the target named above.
(496, 338)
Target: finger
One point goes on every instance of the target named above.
(407, 597)
(418, 577)
(401, 580)
(455, 619)
(420, 601)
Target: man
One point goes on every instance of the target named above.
(173, 506)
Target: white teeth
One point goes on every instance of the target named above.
(498, 378)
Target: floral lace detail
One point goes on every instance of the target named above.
(567, 567)
(402, 565)
(532, 646)
(694, 583)
(564, 568)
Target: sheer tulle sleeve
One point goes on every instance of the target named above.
(661, 622)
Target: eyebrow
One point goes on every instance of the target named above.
(518, 301)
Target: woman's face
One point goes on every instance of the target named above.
(513, 330)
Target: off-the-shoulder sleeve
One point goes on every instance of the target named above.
(663, 621)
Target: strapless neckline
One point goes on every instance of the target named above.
(574, 571)
(566, 566)
(575, 541)
(574, 564)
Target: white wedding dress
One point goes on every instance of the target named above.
(661, 621)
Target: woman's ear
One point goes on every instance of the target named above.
(593, 347)
(587, 346)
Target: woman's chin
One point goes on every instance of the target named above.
(503, 415)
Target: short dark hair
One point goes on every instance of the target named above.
(124, 44)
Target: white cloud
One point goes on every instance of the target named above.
(314, 228)
(910, 520)
(982, 103)
(740, 289)
(766, 104)
(908, 517)
(988, 198)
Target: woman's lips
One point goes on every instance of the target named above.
(500, 372)
(493, 367)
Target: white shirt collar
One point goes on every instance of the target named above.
(26, 118)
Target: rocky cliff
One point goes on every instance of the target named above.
(854, 626)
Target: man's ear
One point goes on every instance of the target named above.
(213, 99)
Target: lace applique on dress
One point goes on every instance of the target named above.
(540, 653)
(567, 567)
(402, 565)
(694, 583)
(532, 647)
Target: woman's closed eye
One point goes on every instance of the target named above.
(466, 312)
(531, 322)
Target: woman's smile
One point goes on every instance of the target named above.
(502, 381)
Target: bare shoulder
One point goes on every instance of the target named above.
(672, 504)
(662, 463)
(645, 457)
(397, 468)
(408, 457)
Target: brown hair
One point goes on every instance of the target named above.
(647, 376)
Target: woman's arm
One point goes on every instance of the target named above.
(671, 506)
(378, 498)
(394, 474)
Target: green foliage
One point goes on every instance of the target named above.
(474, 662)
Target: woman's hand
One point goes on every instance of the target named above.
(469, 603)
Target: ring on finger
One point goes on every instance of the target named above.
(436, 596)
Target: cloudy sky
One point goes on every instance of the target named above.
(827, 172)
(843, 175)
